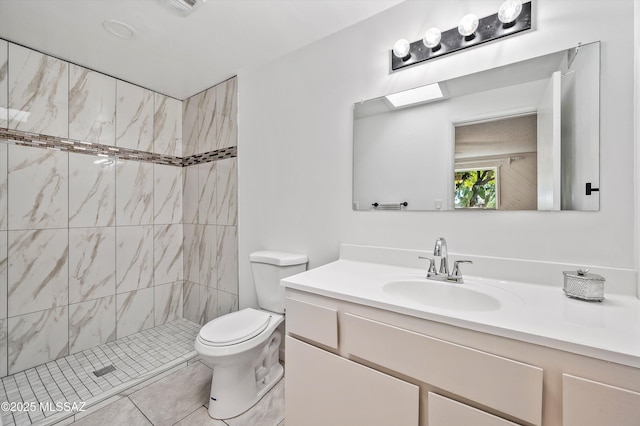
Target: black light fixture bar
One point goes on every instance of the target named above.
(489, 28)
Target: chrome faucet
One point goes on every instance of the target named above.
(441, 250)
(443, 274)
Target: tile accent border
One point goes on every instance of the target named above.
(38, 140)
(206, 157)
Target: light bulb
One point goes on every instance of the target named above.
(401, 48)
(468, 25)
(432, 37)
(509, 11)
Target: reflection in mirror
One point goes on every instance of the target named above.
(508, 147)
(524, 136)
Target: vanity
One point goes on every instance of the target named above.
(371, 341)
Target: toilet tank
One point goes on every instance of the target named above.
(268, 268)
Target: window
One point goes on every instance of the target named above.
(476, 188)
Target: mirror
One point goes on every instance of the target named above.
(524, 136)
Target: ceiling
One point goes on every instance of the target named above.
(174, 55)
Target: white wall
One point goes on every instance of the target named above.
(295, 148)
(636, 131)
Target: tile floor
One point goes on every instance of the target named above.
(180, 399)
(136, 358)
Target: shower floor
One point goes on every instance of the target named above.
(49, 393)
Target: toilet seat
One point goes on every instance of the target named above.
(234, 328)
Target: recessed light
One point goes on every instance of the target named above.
(119, 29)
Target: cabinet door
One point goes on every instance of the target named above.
(309, 321)
(508, 386)
(587, 403)
(323, 389)
(447, 412)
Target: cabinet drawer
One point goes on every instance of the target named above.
(585, 403)
(323, 389)
(316, 323)
(505, 385)
(447, 412)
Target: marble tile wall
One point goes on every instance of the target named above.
(167, 126)
(4, 87)
(95, 248)
(210, 119)
(78, 233)
(38, 92)
(134, 117)
(92, 190)
(92, 106)
(45, 95)
(86, 256)
(210, 206)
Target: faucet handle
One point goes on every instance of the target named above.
(456, 268)
(432, 266)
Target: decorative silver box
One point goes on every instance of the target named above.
(583, 285)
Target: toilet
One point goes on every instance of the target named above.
(243, 347)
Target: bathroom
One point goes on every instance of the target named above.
(294, 168)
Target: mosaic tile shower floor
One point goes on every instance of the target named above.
(46, 392)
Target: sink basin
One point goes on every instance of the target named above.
(442, 295)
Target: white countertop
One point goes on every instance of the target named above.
(539, 314)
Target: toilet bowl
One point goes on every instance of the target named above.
(243, 347)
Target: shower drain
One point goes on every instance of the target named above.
(104, 370)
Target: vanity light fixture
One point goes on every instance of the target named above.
(513, 17)
(419, 95)
(401, 48)
(509, 11)
(432, 38)
(468, 26)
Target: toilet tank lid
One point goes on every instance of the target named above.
(278, 258)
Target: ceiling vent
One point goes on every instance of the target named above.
(182, 7)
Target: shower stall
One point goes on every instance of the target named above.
(118, 230)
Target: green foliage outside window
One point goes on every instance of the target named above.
(475, 189)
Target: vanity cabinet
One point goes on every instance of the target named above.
(446, 412)
(511, 387)
(316, 323)
(324, 389)
(588, 402)
(350, 364)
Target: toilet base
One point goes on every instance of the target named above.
(236, 388)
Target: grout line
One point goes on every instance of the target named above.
(115, 246)
(139, 409)
(181, 419)
(153, 249)
(68, 306)
(91, 380)
(53, 381)
(33, 393)
(4, 389)
(6, 215)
